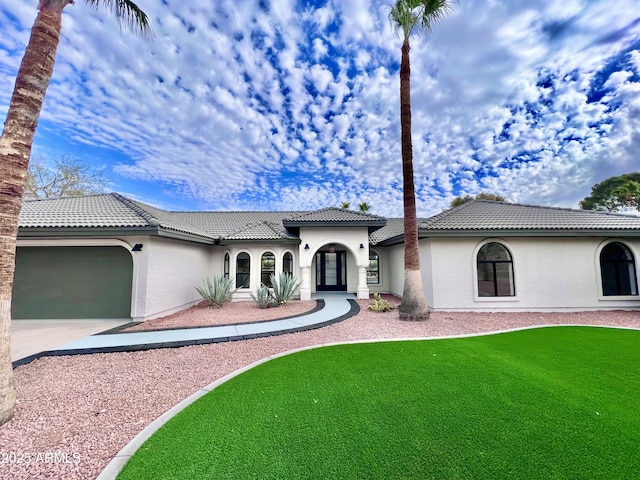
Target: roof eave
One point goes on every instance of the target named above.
(283, 241)
(425, 233)
(329, 223)
(74, 232)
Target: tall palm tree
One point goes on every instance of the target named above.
(15, 150)
(409, 16)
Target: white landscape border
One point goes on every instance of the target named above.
(115, 466)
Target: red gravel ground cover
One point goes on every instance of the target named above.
(75, 413)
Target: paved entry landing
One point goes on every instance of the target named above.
(336, 306)
(29, 337)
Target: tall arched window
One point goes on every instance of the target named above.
(287, 264)
(267, 268)
(618, 270)
(373, 271)
(495, 271)
(226, 265)
(243, 270)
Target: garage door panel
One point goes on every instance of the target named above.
(72, 282)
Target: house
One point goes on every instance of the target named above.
(108, 256)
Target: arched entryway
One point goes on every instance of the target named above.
(331, 269)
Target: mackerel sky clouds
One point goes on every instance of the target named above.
(288, 105)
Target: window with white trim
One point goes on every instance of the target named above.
(243, 270)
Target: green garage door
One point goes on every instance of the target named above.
(72, 282)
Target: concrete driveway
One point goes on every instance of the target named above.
(34, 336)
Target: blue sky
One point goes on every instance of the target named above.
(287, 105)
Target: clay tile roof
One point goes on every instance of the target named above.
(103, 210)
(334, 216)
(496, 216)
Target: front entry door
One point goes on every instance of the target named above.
(331, 271)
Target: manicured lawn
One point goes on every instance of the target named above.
(561, 402)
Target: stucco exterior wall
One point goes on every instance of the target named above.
(173, 270)
(550, 274)
(393, 265)
(345, 238)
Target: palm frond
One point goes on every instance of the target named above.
(406, 15)
(127, 13)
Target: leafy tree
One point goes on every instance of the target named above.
(481, 196)
(364, 207)
(19, 129)
(409, 16)
(613, 193)
(61, 176)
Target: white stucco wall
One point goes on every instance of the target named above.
(392, 263)
(174, 269)
(551, 274)
(345, 238)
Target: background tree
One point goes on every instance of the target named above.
(409, 16)
(19, 129)
(364, 207)
(481, 196)
(613, 193)
(63, 176)
(345, 205)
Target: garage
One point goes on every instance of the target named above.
(72, 282)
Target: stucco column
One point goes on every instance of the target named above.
(305, 286)
(363, 288)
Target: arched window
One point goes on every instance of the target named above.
(618, 270)
(287, 264)
(495, 271)
(243, 270)
(226, 265)
(267, 268)
(373, 271)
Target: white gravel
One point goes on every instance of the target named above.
(75, 413)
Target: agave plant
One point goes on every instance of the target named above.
(218, 292)
(264, 297)
(284, 287)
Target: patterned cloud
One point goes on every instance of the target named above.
(288, 104)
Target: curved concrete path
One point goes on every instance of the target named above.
(332, 308)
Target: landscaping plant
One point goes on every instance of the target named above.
(218, 292)
(284, 287)
(264, 297)
(378, 304)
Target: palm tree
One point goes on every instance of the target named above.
(408, 16)
(345, 205)
(364, 207)
(15, 150)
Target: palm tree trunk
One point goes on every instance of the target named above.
(413, 305)
(15, 149)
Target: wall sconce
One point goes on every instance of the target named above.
(362, 246)
(306, 246)
(137, 247)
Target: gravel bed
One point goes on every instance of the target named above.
(202, 315)
(75, 413)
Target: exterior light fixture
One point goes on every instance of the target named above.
(362, 246)
(137, 247)
(306, 246)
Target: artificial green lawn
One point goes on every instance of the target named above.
(560, 402)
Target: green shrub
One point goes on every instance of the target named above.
(264, 297)
(284, 287)
(218, 292)
(378, 304)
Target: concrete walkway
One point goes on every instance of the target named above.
(333, 307)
